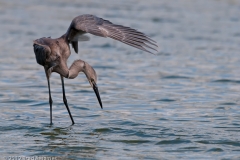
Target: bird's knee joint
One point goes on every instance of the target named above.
(50, 100)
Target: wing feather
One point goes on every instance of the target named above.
(104, 28)
(41, 52)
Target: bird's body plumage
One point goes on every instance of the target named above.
(52, 54)
(55, 53)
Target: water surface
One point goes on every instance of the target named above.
(182, 103)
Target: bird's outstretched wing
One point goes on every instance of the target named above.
(104, 28)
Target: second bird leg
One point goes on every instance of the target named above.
(50, 101)
(65, 99)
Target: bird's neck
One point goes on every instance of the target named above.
(76, 67)
(64, 37)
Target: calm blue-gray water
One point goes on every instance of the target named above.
(182, 103)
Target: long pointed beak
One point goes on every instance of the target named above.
(95, 88)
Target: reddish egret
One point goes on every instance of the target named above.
(52, 54)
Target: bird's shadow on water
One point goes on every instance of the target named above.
(61, 141)
(48, 131)
(54, 131)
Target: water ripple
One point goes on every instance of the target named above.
(182, 103)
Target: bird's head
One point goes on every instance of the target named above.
(92, 78)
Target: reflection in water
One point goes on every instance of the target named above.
(181, 103)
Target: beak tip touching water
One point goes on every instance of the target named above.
(95, 88)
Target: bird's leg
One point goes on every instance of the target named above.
(65, 100)
(50, 101)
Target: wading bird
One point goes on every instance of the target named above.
(52, 54)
